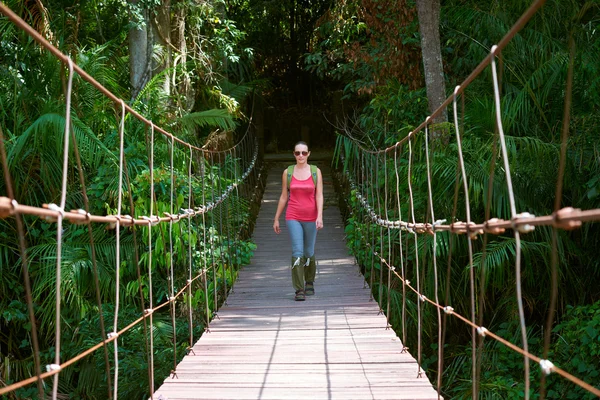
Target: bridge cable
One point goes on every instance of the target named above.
(511, 198)
(59, 231)
(434, 257)
(172, 275)
(389, 236)
(400, 246)
(419, 295)
(469, 243)
(487, 215)
(190, 263)
(150, 250)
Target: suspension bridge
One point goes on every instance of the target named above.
(259, 343)
(334, 345)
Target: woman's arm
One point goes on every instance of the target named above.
(319, 198)
(283, 198)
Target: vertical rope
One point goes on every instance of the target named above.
(470, 245)
(482, 275)
(390, 257)
(401, 252)
(204, 256)
(434, 257)
(211, 241)
(238, 210)
(222, 169)
(412, 214)
(189, 210)
(150, 291)
(172, 274)
(118, 252)
(370, 227)
(381, 262)
(362, 171)
(513, 211)
(59, 228)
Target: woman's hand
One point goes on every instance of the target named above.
(319, 223)
(276, 227)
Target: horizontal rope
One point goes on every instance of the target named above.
(567, 218)
(51, 212)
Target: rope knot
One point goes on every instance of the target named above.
(482, 331)
(148, 311)
(55, 208)
(523, 227)
(7, 207)
(53, 367)
(494, 230)
(458, 227)
(113, 224)
(172, 217)
(129, 220)
(151, 220)
(560, 219)
(448, 310)
(407, 282)
(423, 298)
(547, 366)
(88, 217)
(112, 335)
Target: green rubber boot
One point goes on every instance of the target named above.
(298, 273)
(310, 271)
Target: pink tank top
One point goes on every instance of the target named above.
(302, 205)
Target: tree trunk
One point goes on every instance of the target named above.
(163, 32)
(139, 66)
(182, 87)
(429, 27)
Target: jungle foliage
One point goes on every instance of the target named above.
(211, 108)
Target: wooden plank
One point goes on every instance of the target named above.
(265, 345)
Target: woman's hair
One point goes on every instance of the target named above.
(301, 143)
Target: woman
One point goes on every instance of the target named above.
(303, 217)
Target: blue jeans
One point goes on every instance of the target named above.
(303, 236)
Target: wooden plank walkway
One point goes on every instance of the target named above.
(265, 345)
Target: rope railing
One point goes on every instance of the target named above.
(217, 174)
(362, 169)
(565, 219)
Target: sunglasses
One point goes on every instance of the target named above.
(304, 153)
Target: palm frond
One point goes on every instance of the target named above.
(218, 118)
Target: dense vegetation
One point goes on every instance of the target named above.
(190, 66)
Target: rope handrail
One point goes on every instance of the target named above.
(565, 223)
(9, 207)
